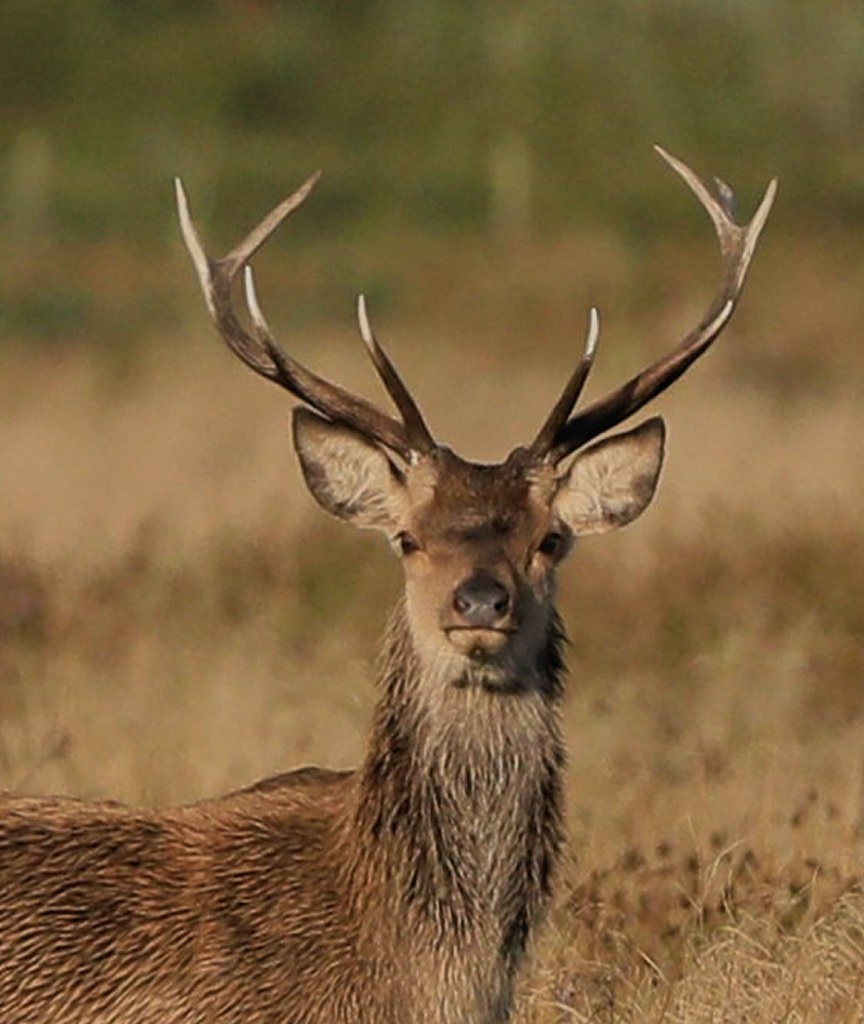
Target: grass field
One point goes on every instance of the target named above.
(176, 618)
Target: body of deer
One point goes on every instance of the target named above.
(405, 891)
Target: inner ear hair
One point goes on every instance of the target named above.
(349, 475)
(611, 483)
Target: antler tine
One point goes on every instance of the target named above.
(418, 433)
(246, 249)
(216, 276)
(259, 350)
(544, 440)
(737, 245)
(340, 405)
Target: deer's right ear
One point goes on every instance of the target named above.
(348, 475)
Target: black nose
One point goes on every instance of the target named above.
(481, 601)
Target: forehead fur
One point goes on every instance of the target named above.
(449, 493)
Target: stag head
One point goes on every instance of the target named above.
(480, 544)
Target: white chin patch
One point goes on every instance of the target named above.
(472, 662)
(479, 645)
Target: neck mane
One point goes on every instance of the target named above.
(460, 796)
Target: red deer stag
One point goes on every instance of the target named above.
(404, 891)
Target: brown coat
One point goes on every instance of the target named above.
(403, 892)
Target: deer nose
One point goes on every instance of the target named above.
(481, 601)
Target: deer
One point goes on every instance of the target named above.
(407, 890)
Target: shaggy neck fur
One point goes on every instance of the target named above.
(460, 802)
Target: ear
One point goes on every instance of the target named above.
(349, 476)
(612, 482)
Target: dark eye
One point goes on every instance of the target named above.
(552, 544)
(406, 543)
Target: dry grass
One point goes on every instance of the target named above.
(176, 618)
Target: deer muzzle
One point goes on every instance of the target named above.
(480, 620)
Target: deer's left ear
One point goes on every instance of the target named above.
(612, 482)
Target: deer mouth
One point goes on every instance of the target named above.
(478, 642)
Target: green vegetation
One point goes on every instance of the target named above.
(502, 122)
(430, 114)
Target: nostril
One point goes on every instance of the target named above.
(481, 601)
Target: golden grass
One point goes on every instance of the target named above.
(176, 618)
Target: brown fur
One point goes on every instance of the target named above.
(397, 893)
(405, 891)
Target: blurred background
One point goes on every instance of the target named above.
(177, 618)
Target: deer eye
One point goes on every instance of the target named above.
(552, 544)
(406, 543)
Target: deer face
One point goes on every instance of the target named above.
(479, 543)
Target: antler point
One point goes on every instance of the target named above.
(249, 290)
(363, 321)
(666, 156)
(593, 332)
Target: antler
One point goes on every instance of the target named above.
(560, 435)
(259, 350)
